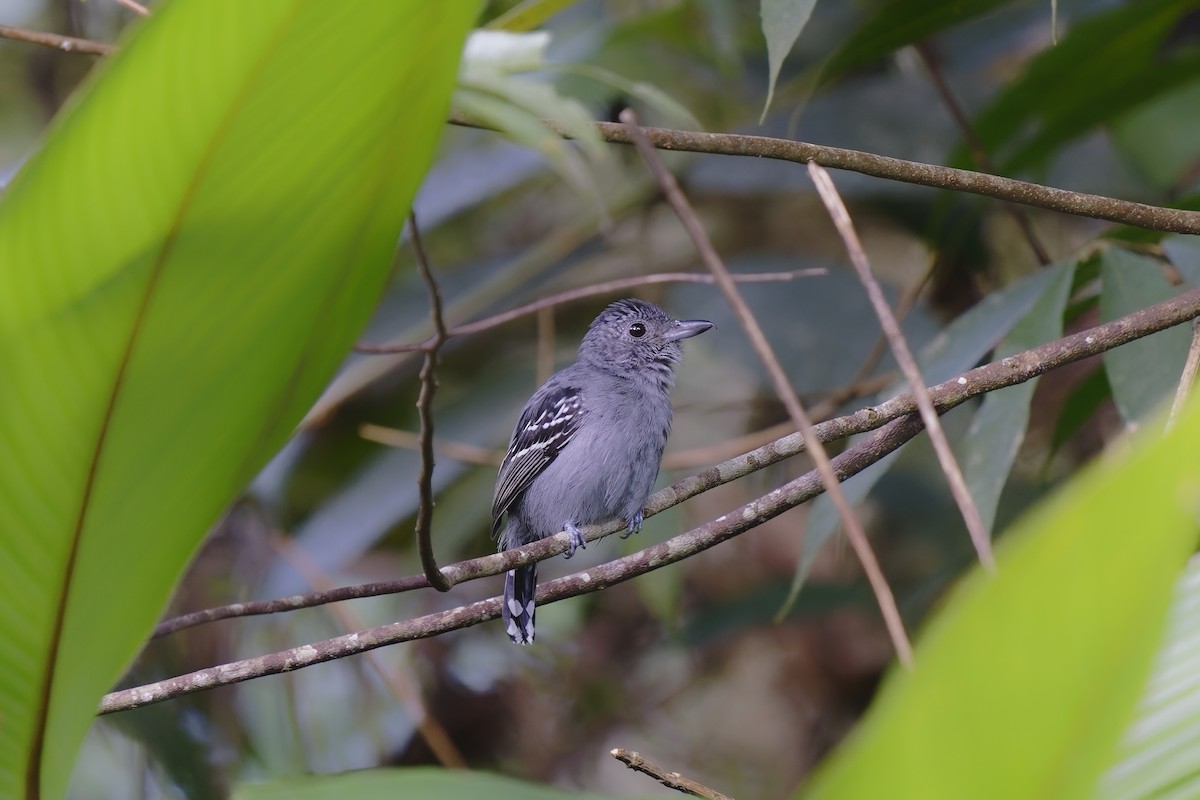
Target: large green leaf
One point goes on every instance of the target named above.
(782, 23)
(181, 268)
(1027, 677)
(388, 784)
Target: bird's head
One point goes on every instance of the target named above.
(635, 335)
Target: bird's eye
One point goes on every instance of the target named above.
(637, 330)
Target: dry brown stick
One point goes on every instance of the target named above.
(978, 152)
(973, 383)
(401, 686)
(1188, 379)
(672, 780)
(570, 295)
(783, 388)
(1155, 218)
(428, 377)
(67, 44)
(908, 364)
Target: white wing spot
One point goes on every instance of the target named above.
(514, 607)
(529, 609)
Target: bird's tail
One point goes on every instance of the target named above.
(520, 587)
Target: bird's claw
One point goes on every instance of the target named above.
(576, 539)
(634, 526)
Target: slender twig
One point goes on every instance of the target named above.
(571, 295)
(906, 361)
(903, 306)
(67, 44)
(400, 685)
(1171, 220)
(134, 6)
(545, 345)
(783, 388)
(975, 145)
(945, 396)
(459, 451)
(672, 780)
(1188, 379)
(428, 379)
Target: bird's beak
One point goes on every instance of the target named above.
(686, 329)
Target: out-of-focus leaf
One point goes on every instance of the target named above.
(1158, 754)
(901, 23)
(1027, 676)
(782, 23)
(1080, 404)
(1144, 373)
(1184, 252)
(389, 784)
(990, 446)
(529, 14)
(959, 347)
(648, 93)
(1103, 68)
(181, 268)
(1162, 138)
(492, 92)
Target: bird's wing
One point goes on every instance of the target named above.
(547, 424)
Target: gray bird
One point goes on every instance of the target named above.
(588, 445)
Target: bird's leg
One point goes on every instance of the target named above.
(633, 526)
(576, 539)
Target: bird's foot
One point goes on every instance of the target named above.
(576, 539)
(633, 526)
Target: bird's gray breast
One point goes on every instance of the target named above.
(609, 468)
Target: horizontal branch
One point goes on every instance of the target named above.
(1155, 218)
(896, 416)
(591, 290)
(67, 44)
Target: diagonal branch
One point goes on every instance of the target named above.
(906, 361)
(783, 388)
(1155, 218)
(570, 295)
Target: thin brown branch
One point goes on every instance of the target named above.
(459, 451)
(67, 44)
(134, 6)
(908, 364)
(975, 146)
(571, 295)
(425, 412)
(945, 396)
(1188, 379)
(783, 388)
(1155, 218)
(401, 686)
(672, 780)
